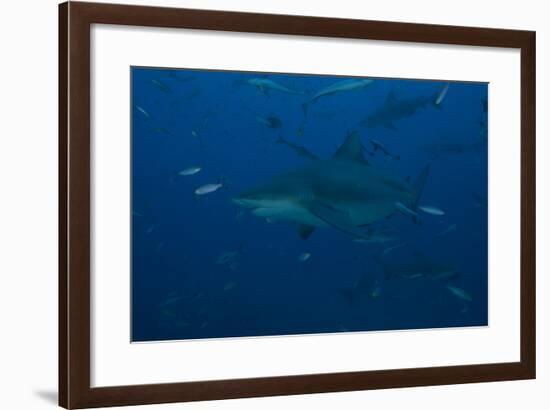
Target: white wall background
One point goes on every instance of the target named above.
(28, 202)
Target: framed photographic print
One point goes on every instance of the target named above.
(256, 205)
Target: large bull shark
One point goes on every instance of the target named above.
(342, 192)
(395, 109)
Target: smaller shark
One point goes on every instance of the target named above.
(264, 85)
(395, 109)
(418, 267)
(339, 86)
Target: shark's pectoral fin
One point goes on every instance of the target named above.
(336, 218)
(305, 231)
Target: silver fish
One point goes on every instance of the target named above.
(441, 95)
(163, 87)
(189, 171)
(432, 210)
(459, 293)
(143, 112)
(208, 188)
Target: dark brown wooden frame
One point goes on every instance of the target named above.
(75, 20)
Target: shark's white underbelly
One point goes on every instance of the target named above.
(360, 213)
(290, 212)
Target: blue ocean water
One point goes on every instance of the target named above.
(205, 267)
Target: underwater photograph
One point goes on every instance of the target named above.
(276, 204)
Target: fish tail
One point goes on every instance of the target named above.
(223, 181)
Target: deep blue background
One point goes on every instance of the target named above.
(178, 289)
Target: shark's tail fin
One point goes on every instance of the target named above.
(349, 295)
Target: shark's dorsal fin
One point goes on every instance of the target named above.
(351, 149)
